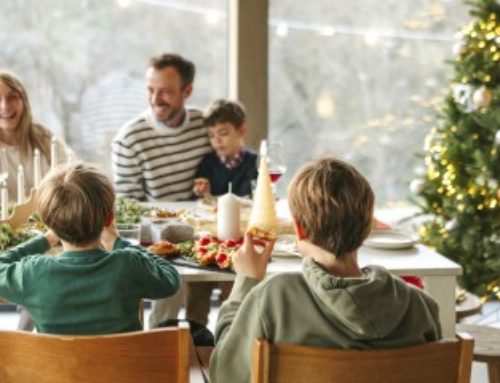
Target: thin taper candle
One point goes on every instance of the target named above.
(53, 153)
(37, 168)
(20, 185)
(5, 200)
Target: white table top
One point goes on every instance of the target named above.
(418, 260)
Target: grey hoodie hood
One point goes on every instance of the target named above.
(372, 306)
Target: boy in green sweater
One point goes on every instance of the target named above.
(333, 303)
(95, 285)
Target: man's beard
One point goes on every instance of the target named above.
(167, 116)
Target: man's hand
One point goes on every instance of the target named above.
(248, 262)
(201, 187)
(52, 238)
(108, 237)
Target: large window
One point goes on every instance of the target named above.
(360, 80)
(84, 61)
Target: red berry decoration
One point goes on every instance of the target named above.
(221, 258)
(204, 241)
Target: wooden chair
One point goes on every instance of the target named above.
(486, 347)
(155, 356)
(445, 361)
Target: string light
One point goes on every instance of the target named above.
(282, 30)
(213, 17)
(320, 29)
(124, 3)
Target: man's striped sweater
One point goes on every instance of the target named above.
(152, 161)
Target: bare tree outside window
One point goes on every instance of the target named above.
(84, 60)
(360, 80)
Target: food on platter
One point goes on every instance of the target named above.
(10, 238)
(164, 248)
(164, 213)
(263, 215)
(210, 251)
(261, 234)
(129, 210)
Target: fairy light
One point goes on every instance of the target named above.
(325, 106)
(282, 30)
(327, 31)
(371, 38)
(124, 3)
(213, 17)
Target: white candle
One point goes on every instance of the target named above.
(70, 157)
(37, 168)
(5, 200)
(20, 185)
(228, 217)
(53, 153)
(263, 148)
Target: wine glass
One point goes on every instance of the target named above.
(276, 164)
(276, 161)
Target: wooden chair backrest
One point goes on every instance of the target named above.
(154, 356)
(447, 361)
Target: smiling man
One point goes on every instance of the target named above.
(154, 157)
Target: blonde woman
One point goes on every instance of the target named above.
(20, 136)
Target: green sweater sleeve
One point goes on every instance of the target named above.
(238, 325)
(11, 269)
(160, 277)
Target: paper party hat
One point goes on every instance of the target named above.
(263, 213)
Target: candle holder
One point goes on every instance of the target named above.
(22, 211)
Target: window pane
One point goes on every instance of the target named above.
(84, 61)
(360, 80)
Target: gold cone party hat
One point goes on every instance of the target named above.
(263, 215)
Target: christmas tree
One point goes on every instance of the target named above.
(460, 189)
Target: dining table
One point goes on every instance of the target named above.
(438, 273)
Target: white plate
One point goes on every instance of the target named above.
(389, 239)
(285, 246)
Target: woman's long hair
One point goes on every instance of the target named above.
(29, 134)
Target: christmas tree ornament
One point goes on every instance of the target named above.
(459, 48)
(416, 186)
(462, 95)
(482, 97)
(497, 138)
(492, 183)
(451, 225)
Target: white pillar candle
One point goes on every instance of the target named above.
(53, 153)
(5, 200)
(37, 168)
(228, 217)
(20, 185)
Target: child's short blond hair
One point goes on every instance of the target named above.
(334, 205)
(222, 111)
(76, 201)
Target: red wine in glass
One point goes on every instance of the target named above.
(275, 175)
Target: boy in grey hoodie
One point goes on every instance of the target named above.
(333, 303)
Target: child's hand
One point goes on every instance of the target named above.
(201, 187)
(52, 238)
(249, 262)
(108, 237)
